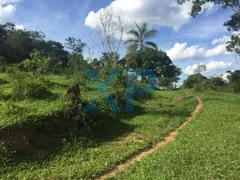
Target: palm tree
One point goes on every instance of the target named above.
(140, 36)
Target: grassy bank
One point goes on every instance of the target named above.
(64, 153)
(207, 148)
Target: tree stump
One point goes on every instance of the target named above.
(73, 94)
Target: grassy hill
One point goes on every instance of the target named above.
(37, 145)
(207, 148)
(39, 141)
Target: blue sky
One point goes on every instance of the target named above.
(188, 41)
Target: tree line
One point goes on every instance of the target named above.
(17, 45)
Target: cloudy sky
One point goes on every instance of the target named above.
(188, 41)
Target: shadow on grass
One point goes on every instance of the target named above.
(45, 95)
(3, 82)
(5, 97)
(41, 138)
(40, 95)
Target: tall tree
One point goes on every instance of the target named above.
(3, 34)
(139, 37)
(193, 81)
(109, 58)
(109, 33)
(234, 76)
(75, 45)
(76, 60)
(16, 45)
(233, 25)
(198, 71)
(155, 61)
(54, 50)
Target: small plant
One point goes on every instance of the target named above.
(28, 79)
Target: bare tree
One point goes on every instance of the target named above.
(110, 31)
(200, 69)
(91, 51)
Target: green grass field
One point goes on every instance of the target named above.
(207, 148)
(36, 145)
(29, 151)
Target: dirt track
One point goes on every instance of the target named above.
(153, 148)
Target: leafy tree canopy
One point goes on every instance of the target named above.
(193, 80)
(233, 24)
(76, 45)
(154, 60)
(234, 76)
(16, 45)
(139, 38)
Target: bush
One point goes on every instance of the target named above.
(234, 87)
(211, 84)
(36, 64)
(116, 77)
(118, 90)
(166, 82)
(27, 84)
(3, 64)
(193, 81)
(29, 78)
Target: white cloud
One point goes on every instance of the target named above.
(180, 51)
(189, 70)
(6, 12)
(8, 1)
(21, 27)
(216, 51)
(218, 65)
(210, 8)
(224, 77)
(221, 40)
(156, 12)
(212, 66)
(7, 9)
(224, 39)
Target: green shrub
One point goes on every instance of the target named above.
(118, 90)
(27, 84)
(193, 81)
(2, 81)
(234, 87)
(166, 82)
(3, 64)
(36, 64)
(29, 78)
(210, 84)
